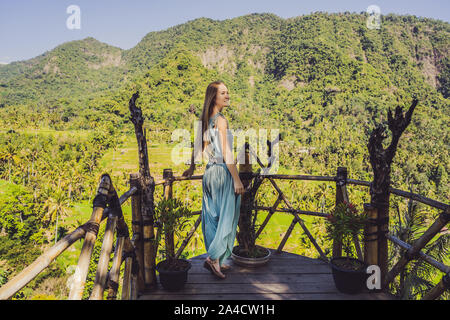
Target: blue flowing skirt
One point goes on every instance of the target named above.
(220, 211)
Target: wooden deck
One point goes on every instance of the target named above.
(287, 276)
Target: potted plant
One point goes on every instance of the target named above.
(345, 225)
(172, 217)
(247, 253)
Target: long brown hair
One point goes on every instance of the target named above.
(208, 105)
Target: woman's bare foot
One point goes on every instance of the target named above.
(225, 267)
(214, 267)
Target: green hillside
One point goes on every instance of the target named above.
(72, 70)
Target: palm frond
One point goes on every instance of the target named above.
(416, 286)
(439, 248)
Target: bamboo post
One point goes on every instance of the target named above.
(158, 233)
(123, 244)
(103, 261)
(134, 289)
(126, 281)
(149, 261)
(341, 180)
(169, 236)
(114, 273)
(100, 200)
(311, 238)
(108, 238)
(439, 289)
(371, 236)
(382, 242)
(137, 229)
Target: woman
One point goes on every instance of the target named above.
(222, 187)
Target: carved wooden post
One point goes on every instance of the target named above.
(371, 236)
(341, 180)
(136, 227)
(169, 237)
(147, 184)
(381, 160)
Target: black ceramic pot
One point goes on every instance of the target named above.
(349, 280)
(173, 280)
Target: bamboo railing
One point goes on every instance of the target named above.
(139, 263)
(106, 195)
(413, 251)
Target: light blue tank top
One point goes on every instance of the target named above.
(215, 154)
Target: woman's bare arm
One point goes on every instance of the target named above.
(195, 151)
(228, 155)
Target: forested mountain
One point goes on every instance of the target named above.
(256, 40)
(71, 70)
(324, 80)
(332, 57)
(303, 75)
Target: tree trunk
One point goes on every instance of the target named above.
(56, 227)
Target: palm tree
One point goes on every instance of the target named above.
(57, 205)
(415, 278)
(9, 154)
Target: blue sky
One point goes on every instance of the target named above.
(29, 28)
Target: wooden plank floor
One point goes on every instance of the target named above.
(287, 276)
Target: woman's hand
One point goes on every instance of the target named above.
(238, 187)
(189, 172)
